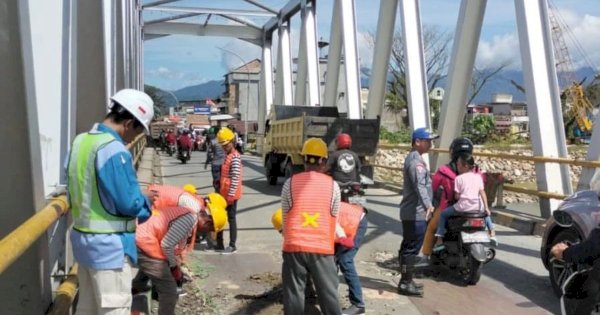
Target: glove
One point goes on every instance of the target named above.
(230, 200)
(177, 274)
(346, 242)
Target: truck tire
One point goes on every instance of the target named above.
(289, 169)
(272, 179)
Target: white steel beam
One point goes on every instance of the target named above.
(262, 6)
(90, 87)
(381, 57)
(334, 58)
(416, 79)
(171, 18)
(165, 28)
(283, 91)
(466, 40)
(300, 93)
(241, 21)
(155, 3)
(266, 92)
(26, 284)
(291, 8)
(312, 54)
(234, 12)
(351, 59)
(543, 99)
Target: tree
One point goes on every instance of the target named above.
(480, 128)
(481, 77)
(156, 94)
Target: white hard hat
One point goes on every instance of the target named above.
(138, 103)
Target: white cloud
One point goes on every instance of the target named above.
(237, 52)
(501, 49)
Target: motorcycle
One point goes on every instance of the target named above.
(199, 144)
(581, 289)
(171, 149)
(465, 246)
(184, 156)
(354, 192)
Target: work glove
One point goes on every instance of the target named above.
(346, 242)
(230, 200)
(177, 274)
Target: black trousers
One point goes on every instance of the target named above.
(231, 212)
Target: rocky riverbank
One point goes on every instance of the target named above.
(513, 170)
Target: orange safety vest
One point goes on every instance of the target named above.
(225, 181)
(349, 218)
(309, 226)
(168, 196)
(149, 234)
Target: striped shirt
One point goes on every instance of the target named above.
(235, 171)
(179, 231)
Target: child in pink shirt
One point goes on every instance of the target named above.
(470, 193)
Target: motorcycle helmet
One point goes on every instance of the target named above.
(460, 145)
(343, 141)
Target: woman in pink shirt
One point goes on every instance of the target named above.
(470, 193)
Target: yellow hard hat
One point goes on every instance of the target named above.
(190, 188)
(217, 200)
(277, 219)
(219, 217)
(225, 135)
(315, 147)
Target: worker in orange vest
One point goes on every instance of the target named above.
(310, 202)
(160, 241)
(170, 196)
(230, 186)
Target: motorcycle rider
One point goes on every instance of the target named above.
(470, 197)
(442, 184)
(171, 139)
(586, 252)
(344, 164)
(185, 143)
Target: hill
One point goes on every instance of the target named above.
(211, 89)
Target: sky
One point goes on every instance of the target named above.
(177, 61)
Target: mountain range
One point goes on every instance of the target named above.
(501, 83)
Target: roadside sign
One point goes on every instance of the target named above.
(201, 109)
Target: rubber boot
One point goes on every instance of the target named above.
(407, 286)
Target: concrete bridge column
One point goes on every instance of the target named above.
(348, 17)
(283, 81)
(266, 92)
(334, 58)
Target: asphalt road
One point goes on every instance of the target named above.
(514, 283)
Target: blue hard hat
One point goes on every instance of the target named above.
(423, 133)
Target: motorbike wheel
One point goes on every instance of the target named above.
(472, 274)
(557, 270)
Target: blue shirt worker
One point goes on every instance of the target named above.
(106, 200)
(415, 208)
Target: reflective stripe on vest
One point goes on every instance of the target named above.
(349, 218)
(173, 196)
(89, 215)
(225, 181)
(149, 234)
(309, 226)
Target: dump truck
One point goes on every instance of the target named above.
(157, 126)
(289, 126)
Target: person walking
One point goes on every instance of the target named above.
(353, 219)
(215, 156)
(106, 200)
(310, 202)
(415, 209)
(230, 187)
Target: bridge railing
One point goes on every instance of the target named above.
(505, 186)
(13, 245)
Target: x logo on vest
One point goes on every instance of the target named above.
(310, 219)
